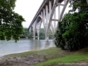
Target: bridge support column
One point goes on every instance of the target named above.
(44, 20)
(47, 21)
(65, 4)
(34, 31)
(54, 21)
(38, 34)
(50, 10)
(38, 29)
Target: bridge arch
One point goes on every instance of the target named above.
(47, 15)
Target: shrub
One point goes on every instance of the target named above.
(71, 32)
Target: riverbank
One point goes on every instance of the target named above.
(48, 57)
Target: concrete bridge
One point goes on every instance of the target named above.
(47, 14)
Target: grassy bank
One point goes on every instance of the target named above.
(67, 59)
(50, 53)
(74, 57)
(56, 55)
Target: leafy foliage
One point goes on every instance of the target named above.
(72, 33)
(78, 4)
(10, 22)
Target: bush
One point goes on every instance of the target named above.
(71, 32)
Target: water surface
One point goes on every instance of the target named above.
(10, 47)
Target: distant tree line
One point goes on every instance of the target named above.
(29, 34)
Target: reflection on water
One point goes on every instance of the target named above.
(40, 44)
(9, 47)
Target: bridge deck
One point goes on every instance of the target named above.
(43, 5)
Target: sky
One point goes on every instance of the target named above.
(28, 9)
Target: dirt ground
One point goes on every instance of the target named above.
(31, 60)
(21, 61)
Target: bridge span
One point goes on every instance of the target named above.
(47, 14)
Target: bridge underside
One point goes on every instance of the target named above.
(49, 13)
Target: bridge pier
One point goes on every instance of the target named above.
(34, 31)
(38, 26)
(38, 31)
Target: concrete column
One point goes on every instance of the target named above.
(38, 29)
(44, 21)
(34, 30)
(58, 11)
(43, 17)
(38, 34)
(50, 6)
(64, 7)
(51, 15)
(54, 21)
(50, 10)
(47, 21)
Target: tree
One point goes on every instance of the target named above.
(10, 22)
(72, 32)
(78, 4)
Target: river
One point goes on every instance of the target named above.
(11, 47)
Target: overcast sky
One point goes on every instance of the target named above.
(28, 9)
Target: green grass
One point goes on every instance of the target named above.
(76, 57)
(50, 53)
